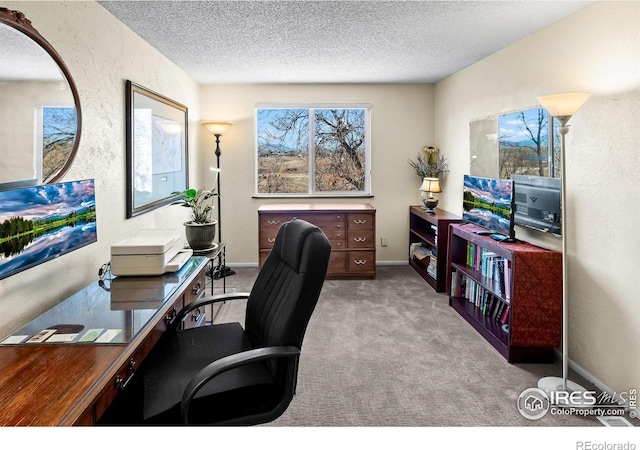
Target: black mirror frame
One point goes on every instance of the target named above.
(18, 20)
(135, 208)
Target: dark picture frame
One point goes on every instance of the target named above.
(157, 149)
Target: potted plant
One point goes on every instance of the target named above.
(430, 165)
(201, 229)
(429, 168)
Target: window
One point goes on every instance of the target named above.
(524, 144)
(313, 151)
(56, 127)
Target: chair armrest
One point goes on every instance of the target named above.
(209, 300)
(227, 363)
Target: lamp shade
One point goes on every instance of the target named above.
(217, 128)
(560, 105)
(430, 185)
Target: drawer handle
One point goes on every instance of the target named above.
(172, 315)
(196, 315)
(338, 217)
(360, 221)
(122, 385)
(359, 239)
(271, 240)
(360, 262)
(273, 222)
(195, 290)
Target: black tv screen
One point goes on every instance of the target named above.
(488, 202)
(43, 222)
(537, 202)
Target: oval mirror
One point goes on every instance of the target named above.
(40, 116)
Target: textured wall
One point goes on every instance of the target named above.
(401, 124)
(596, 50)
(101, 53)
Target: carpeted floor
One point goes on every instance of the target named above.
(391, 352)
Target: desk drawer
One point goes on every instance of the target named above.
(337, 262)
(360, 221)
(272, 222)
(127, 371)
(361, 261)
(191, 294)
(361, 239)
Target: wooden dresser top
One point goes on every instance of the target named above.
(316, 207)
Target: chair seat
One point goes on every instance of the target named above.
(175, 360)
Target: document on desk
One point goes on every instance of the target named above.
(108, 335)
(62, 337)
(91, 335)
(41, 337)
(17, 339)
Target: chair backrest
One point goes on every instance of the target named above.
(287, 288)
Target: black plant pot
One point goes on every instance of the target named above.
(201, 236)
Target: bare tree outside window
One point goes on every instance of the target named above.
(312, 150)
(523, 139)
(59, 125)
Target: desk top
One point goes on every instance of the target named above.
(110, 311)
(47, 384)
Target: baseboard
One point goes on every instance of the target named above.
(591, 378)
(392, 263)
(242, 264)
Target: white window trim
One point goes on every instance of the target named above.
(366, 193)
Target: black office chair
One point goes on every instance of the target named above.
(223, 374)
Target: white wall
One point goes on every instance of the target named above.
(596, 50)
(401, 124)
(101, 53)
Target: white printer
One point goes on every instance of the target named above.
(150, 252)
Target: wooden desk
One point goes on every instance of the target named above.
(73, 384)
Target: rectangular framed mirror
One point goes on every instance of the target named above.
(157, 154)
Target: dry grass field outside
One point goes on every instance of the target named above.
(290, 174)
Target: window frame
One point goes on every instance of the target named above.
(312, 192)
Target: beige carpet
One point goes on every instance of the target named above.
(391, 352)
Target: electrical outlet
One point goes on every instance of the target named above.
(384, 241)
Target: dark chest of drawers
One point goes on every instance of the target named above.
(350, 227)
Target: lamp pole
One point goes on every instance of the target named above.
(563, 107)
(218, 129)
(218, 153)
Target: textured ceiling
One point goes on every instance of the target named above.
(332, 41)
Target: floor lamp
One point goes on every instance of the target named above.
(562, 107)
(218, 129)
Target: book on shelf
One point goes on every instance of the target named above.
(490, 265)
(488, 303)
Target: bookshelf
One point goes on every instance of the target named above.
(511, 293)
(428, 240)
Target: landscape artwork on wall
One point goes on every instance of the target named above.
(43, 222)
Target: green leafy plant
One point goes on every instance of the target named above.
(431, 165)
(197, 200)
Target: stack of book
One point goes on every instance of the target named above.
(426, 256)
(492, 266)
(485, 301)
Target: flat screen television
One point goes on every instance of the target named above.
(537, 202)
(40, 223)
(488, 202)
